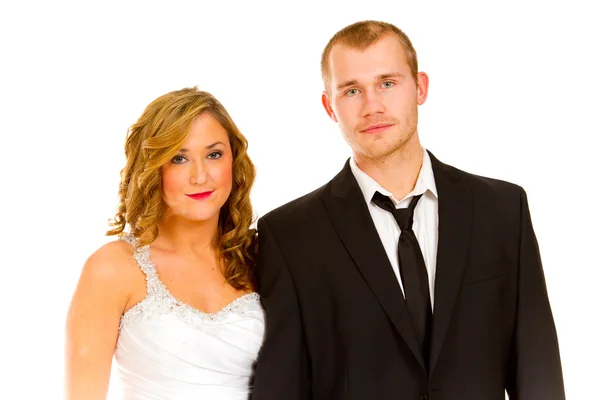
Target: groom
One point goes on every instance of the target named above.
(403, 277)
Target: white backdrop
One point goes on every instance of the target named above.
(514, 93)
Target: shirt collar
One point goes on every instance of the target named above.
(368, 186)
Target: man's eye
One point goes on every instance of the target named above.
(352, 92)
(387, 84)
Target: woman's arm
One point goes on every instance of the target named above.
(93, 320)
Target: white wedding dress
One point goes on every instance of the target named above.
(168, 350)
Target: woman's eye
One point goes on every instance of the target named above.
(215, 155)
(178, 160)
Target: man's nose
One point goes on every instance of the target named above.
(373, 104)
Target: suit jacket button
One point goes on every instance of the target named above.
(424, 397)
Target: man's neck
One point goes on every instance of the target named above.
(397, 172)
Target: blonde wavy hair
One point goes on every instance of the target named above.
(151, 142)
(361, 35)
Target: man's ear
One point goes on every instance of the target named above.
(422, 87)
(327, 105)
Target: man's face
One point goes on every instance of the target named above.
(373, 97)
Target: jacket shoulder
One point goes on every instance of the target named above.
(486, 186)
(298, 209)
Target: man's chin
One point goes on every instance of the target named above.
(376, 153)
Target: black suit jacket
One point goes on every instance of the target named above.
(336, 323)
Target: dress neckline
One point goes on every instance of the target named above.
(156, 288)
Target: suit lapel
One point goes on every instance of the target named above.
(351, 218)
(455, 210)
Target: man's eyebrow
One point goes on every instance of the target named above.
(389, 75)
(342, 85)
(379, 77)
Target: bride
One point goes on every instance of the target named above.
(173, 300)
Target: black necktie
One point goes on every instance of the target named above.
(412, 270)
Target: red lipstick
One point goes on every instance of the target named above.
(200, 196)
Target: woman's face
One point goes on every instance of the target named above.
(197, 181)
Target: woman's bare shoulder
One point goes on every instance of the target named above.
(112, 264)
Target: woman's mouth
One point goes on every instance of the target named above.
(200, 196)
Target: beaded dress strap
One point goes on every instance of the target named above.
(142, 256)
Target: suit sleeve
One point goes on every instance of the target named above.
(282, 366)
(534, 370)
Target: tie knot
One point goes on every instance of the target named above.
(403, 216)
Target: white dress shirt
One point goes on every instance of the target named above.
(425, 224)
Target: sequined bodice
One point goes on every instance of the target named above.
(169, 350)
